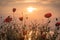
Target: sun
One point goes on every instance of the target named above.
(30, 9)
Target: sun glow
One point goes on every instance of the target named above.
(31, 9)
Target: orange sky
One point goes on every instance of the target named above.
(43, 6)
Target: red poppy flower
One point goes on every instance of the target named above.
(48, 15)
(8, 19)
(43, 35)
(24, 32)
(21, 18)
(57, 24)
(14, 9)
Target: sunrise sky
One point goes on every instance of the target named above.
(42, 7)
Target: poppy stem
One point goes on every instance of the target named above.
(13, 18)
(47, 25)
(1, 19)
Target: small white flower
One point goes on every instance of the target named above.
(51, 33)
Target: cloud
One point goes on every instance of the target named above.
(47, 4)
(50, 3)
(4, 2)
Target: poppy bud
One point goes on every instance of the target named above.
(14, 9)
(21, 18)
(26, 17)
(49, 21)
(56, 19)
